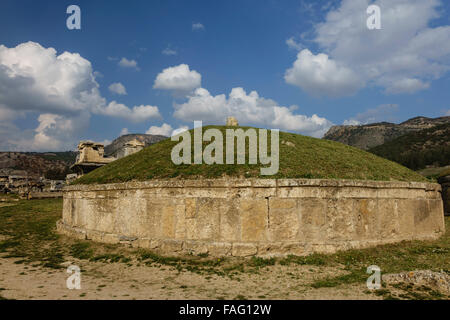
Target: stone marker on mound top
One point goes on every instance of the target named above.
(232, 122)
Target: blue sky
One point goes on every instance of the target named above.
(313, 64)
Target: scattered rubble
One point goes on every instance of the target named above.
(439, 281)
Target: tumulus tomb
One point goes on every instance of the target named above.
(325, 197)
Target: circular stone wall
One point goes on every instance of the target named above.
(244, 217)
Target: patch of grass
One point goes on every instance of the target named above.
(314, 259)
(300, 157)
(261, 262)
(6, 244)
(81, 250)
(111, 257)
(30, 226)
(352, 277)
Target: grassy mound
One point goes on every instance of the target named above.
(300, 157)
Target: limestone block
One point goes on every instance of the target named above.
(152, 220)
(429, 218)
(254, 217)
(68, 213)
(270, 249)
(340, 222)
(180, 221)
(141, 243)
(387, 225)
(94, 235)
(244, 249)
(230, 222)
(191, 208)
(219, 249)
(366, 219)
(406, 217)
(313, 218)
(205, 226)
(171, 246)
(195, 247)
(283, 219)
(294, 248)
(168, 221)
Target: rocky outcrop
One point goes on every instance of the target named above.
(371, 135)
(120, 143)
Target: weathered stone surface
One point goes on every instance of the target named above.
(232, 122)
(313, 218)
(244, 249)
(283, 219)
(244, 217)
(230, 221)
(219, 249)
(254, 216)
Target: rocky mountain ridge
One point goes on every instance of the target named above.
(375, 134)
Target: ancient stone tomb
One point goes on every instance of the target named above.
(245, 217)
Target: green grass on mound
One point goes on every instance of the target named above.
(300, 157)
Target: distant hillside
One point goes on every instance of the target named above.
(416, 150)
(375, 134)
(66, 156)
(120, 142)
(52, 165)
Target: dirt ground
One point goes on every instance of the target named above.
(119, 281)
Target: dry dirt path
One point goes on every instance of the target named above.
(101, 280)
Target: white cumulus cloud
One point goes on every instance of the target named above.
(292, 44)
(249, 109)
(179, 79)
(118, 88)
(318, 74)
(125, 63)
(165, 130)
(33, 78)
(405, 56)
(61, 90)
(135, 114)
